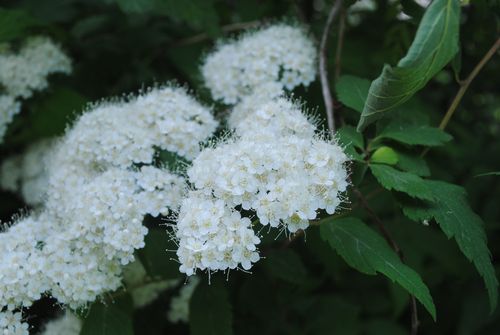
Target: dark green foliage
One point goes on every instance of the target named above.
(156, 256)
(366, 251)
(109, 319)
(209, 310)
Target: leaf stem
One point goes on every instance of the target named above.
(323, 72)
(464, 85)
(413, 303)
(340, 44)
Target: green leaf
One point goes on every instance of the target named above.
(384, 155)
(405, 182)
(367, 251)
(14, 24)
(209, 310)
(286, 265)
(415, 134)
(435, 44)
(112, 319)
(350, 139)
(412, 163)
(455, 217)
(352, 91)
(52, 115)
(156, 255)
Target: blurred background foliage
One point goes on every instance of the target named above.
(302, 287)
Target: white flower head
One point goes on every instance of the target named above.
(280, 54)
(25, 72)
(11, 324)
(9, 107)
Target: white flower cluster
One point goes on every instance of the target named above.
(24, 72)
(213, 236)
(179, 305)
(284, 179)
(12, 324)
(276, 167)
(8, 108)
(27, 173)
(101, 183)
(167, 118)
(282, 55)
(27, 71)
(268, 113)
(66, 324)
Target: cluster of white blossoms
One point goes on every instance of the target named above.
(8, 108)
(101, 182)
(279, 54)
(27, 173)
(179, 305)
(12, 324)
(284, 179)
(66, 324)
(274, 165)
(26, 71)
(213, 236)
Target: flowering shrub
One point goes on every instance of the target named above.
(216, 197)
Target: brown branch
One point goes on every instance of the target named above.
(226, 29)
(323, 72)
(378, 222)
(464, 85)
(413, 303)
(340, 44)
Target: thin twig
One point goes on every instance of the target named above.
(323, 72)
(464, 85)
(378, 222)
(340, 44)
(413, 303)
(226, 29)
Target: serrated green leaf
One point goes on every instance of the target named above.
(415, 134)
(405, 182)
(368, 252)
(209, 310)
(455, 217)
(412, 163)
(14, 24)
(352, 91)
(435, 44)
(384, 155)
(156, 255)
(286, 265)
(112, 319)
